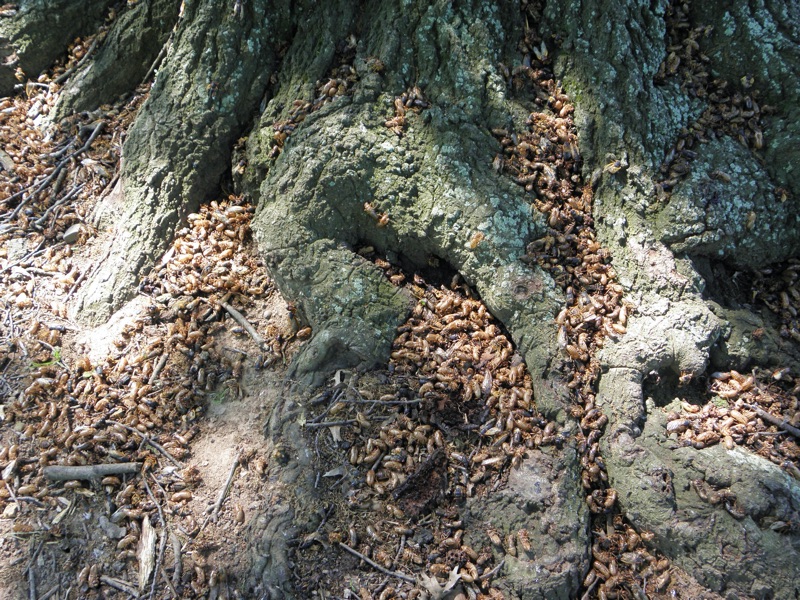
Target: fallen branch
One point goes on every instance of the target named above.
(67, 473)
(777, 421)
(240, 319)
(330, 423)
(119, 584)
(31, 574)
(376, 565)
(32, 500)
(150, 442)
(31, 585)
(162, 546)
(177, 567)
(51, 593)
(31, 255)
(214, 510)
(168, 582)
(13, 215)
(385, 402)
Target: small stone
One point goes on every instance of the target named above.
(10, 510)
(72, 233)
(111, 530)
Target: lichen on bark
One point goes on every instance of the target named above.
(435, 182)
(665, 251)
(177, 150)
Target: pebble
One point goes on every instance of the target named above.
(72, 233)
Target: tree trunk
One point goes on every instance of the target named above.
(397, 126)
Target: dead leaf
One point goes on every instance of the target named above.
(435, 589)
(336, 472)
(66, 511)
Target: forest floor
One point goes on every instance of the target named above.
(181, 382)
(79, 396)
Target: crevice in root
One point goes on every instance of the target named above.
(667, 383)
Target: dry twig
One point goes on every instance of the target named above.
(149, 441)
(61, 201)
(67, 473)
(119, 584)
(163, 544)
(223, 494)
(50, 593)
(13, 214)
(493, 572)
(241, 320)
(772, 419)
(330, 423)
(376, 565)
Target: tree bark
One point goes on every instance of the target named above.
(36, 33)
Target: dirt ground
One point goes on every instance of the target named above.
(73, 395)
(71, 539)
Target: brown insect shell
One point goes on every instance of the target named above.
(524, 540)
(27, 490)
(601, 569)
(94, 575)
(373, 534)
(494, 537)
(127, 541)
(663, 581)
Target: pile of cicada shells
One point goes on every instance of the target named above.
(746, 410)
(733, 109)
(778, 288)
(411, 100)
(470, 380)
(152, 387)
(461, 402)
(545, 159)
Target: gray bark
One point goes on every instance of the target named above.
(215, 74)
(124, 59)
(39, 31)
